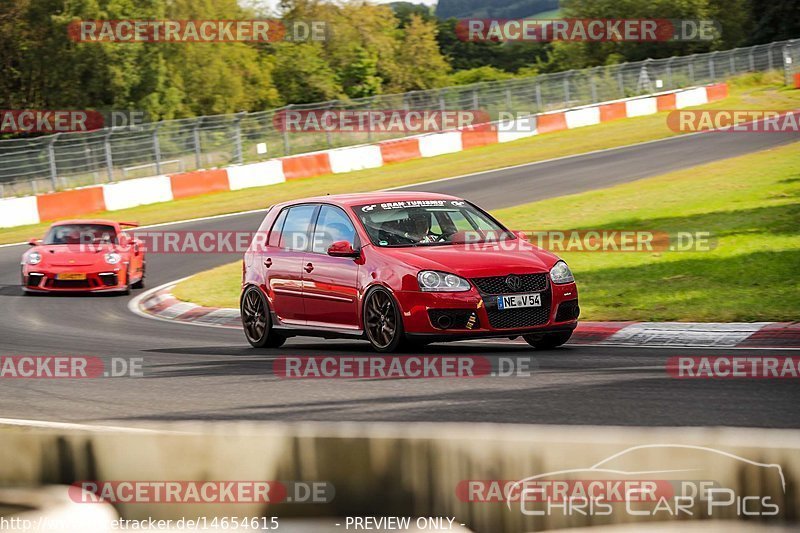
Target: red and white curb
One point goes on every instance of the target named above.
(159, 303)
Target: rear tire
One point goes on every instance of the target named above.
(256, 320)
(548, 341)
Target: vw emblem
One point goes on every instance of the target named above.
(514, 282)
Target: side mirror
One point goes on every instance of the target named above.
(34, 242)
(342, 249)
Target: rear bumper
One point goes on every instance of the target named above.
(475, 315)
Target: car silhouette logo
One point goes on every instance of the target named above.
(513, 282)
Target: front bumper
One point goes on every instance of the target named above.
(46, 280)
(474, 315)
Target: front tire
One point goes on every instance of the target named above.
(548, 341)
(256, 320)
(383, 322)
(140, 283)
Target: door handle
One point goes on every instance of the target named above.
(268, 262)
(309, 267)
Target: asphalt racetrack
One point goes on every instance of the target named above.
(200, 373)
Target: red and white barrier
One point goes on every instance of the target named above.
(143, 191)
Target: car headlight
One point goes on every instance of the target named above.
(560, 273)
(34, 258)
(112, 258)
(433, 281)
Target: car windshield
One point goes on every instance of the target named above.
(428, 223)
(81, 234)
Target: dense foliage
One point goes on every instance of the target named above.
(371, 49)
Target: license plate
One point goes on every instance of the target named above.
(517, 301)
(71, 276)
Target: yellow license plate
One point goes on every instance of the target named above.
(71, 276)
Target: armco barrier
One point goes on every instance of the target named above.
(615, 111)
(435, 144)
(410, 469)
(578, 118)
(666, 102)
(479, 135)
(200, 182)
(690, 98)
(306, 166)
(639, 107)
(18, 211)
(70, 203)
(140, 191)
(550, 122)
(400, 150)
(123, 195)
(255, 175)
(356, 158)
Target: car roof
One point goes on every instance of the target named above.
(101, 221)
(352, 199)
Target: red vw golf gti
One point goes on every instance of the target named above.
(400, 269)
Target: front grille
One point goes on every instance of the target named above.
(459, 318)
(498, 284)
(519, 318)
(34, 279)
(568, 310)
(71, 283)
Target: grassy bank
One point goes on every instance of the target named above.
(750, 92)
(750, 204)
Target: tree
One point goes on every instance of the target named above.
(302, 75)
(421, 65)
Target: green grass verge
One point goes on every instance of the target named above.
(755, 91)
(751, 204)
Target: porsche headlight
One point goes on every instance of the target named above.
(34, 258)
(112, 258)
(433, 281)
(561, 274)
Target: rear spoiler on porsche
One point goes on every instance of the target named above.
(129, 224)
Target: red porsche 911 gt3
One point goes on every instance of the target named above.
(400, 268)
(84, 255)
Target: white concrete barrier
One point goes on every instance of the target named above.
(588, 116)
(356, 158)
(139, 191)
(690, 98)
(521, 128)
(18, 212)
(255, 175)
(639, 107)
(440, 143)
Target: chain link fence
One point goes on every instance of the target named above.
(67, 160)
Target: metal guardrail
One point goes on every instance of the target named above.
(65, 160)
